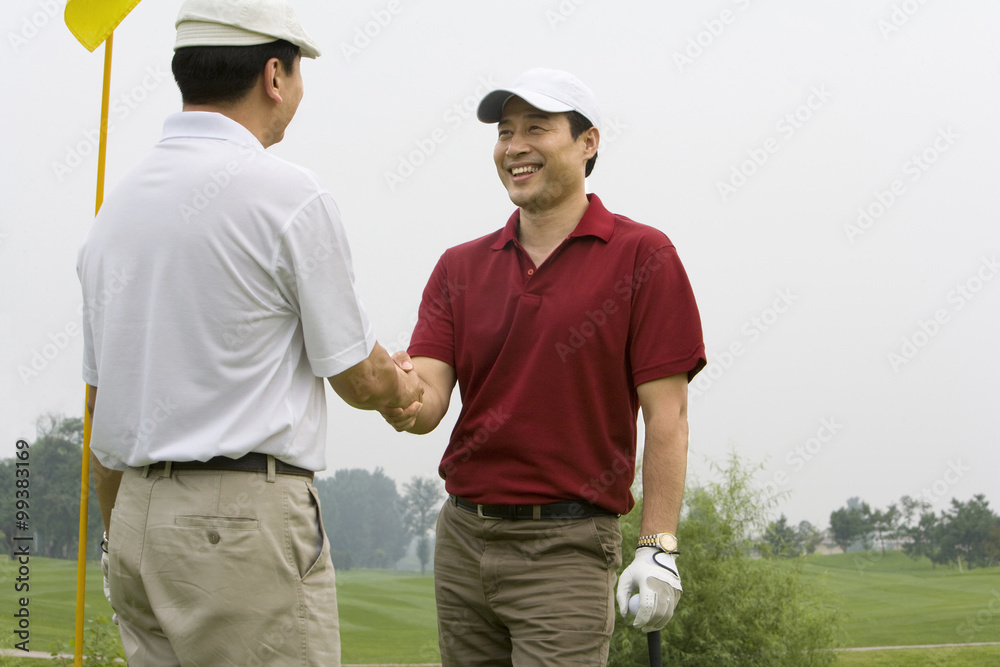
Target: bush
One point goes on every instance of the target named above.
(735, 609)
(102, 645)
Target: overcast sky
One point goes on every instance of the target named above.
(827, 171)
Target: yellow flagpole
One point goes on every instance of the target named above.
(81, 566)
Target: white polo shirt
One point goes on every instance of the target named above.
(218, 292)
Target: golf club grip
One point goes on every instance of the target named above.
(655, 654)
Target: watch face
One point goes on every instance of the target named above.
(667, 542)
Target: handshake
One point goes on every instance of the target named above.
(391, 385)
(402, 412)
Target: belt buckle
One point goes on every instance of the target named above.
(479, 512)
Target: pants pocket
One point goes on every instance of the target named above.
(306, 537)
(223, 522)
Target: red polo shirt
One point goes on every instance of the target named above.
(548, 357)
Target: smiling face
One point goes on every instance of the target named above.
(538, 161)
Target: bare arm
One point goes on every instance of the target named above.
(106, 480)
(377, 383)
(664, 461)
(438, 381)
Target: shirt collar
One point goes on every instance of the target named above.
(207, 125)
(596, 221)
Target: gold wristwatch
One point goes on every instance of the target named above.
(663, 541)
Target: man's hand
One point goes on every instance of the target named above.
(655, 574)
(411, 389)
(404, 418)
(105, 567)
(377, 383)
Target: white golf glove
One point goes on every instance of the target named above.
(105, 566)
(654, 573)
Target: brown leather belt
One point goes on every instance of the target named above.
(566, 509)
(252, 462)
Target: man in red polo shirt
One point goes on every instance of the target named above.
(556, 327)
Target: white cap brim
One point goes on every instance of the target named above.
(553, 91)
(207, 33)
(491, 108)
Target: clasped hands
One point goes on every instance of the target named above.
(403, 418)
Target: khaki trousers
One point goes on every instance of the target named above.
(525, 592)
(213, 568)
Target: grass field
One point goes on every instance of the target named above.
(51, 600)
(388, 615)
(893, 600)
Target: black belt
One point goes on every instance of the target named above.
(566, 509)
(252, 462)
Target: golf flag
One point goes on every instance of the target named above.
(92, 21)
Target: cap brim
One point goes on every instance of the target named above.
(491, 108)
(205, 33)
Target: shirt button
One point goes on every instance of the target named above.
(531, 272)
(213, 537)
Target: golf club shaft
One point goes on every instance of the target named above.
(655, 655)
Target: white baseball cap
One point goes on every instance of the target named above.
(241, 23)
(550, 90)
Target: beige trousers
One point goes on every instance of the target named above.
(535, 593)
(212, 568)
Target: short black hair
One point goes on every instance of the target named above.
(224, 75)
(578, 124)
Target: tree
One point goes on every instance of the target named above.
(922, 537)
(53, 502)
(735, 609)
(809, 537)
(420, 505)
(884, 524)
(780, 540)
(911, 509)
(850, 524)
(362, 519)
(965, 533)
(917, 524)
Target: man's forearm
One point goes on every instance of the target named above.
(431, 413)
(375, 383)
(106, 481)
(664, 469)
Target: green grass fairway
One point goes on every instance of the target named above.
(893, 600)
(51, 600)
(387, 616)
(965, 656)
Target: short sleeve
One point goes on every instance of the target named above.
(665, 327)
(434, 334)
(89, 355)
(314, 274)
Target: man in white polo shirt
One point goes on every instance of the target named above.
(219, 295)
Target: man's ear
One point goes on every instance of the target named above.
(273, 74)
(592, 140)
